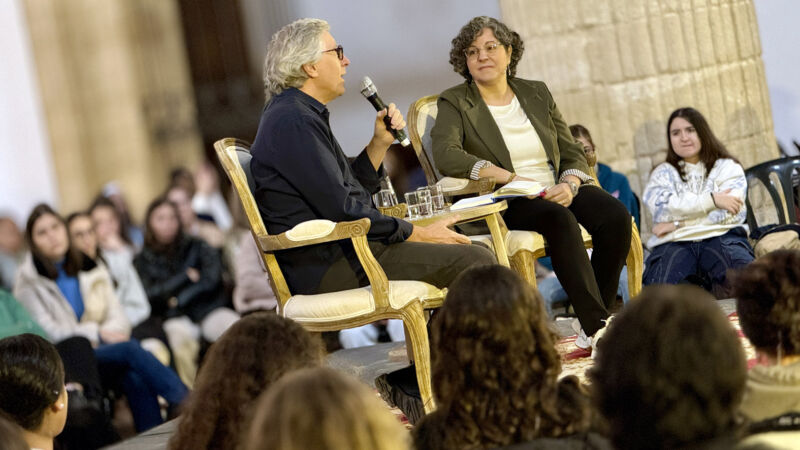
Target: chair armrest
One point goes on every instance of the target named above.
(339, 231)
(462, 186)
(399, 210)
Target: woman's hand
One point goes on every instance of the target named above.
(112, 337)
(724, 200)
(560, 193)
(193, 274)
(662, 228)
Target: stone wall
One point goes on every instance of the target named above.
(620, 67)
(117, 95)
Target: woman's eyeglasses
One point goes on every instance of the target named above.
(339, 52)
(473, 52)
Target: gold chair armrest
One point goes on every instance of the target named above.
(482, 186)
(399, 210)
(342, 230)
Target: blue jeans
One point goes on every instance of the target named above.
(553, 292)
(700, 262)
(143, 379)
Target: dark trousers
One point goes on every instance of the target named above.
(437, 264)
(142, 377)
(590, 285)
(706, 261)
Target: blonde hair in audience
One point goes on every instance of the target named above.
(323, 409)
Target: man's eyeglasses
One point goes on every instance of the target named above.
(473, 52)
(339, 52)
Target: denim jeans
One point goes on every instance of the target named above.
(143, 379)
(701, 262)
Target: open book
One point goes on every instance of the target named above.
(519, 188)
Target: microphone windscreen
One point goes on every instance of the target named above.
(367, 87)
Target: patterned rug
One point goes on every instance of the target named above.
(577, 361)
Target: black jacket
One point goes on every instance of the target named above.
(164, 276)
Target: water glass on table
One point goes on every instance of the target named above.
(384, 198)
(419, 204)
(437, 197)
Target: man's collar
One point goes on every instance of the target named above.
(306, 99)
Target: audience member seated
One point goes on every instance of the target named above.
(768, 304)
(11, 435)
(670, 372)
(252, 290)
(495, 370)
(207, 200)
(497, 125)
(254, 353)
(108, 222)
(113, 193)
(192, 225)
(127, 286)
(11, 251)
(68, 294)
(696, 200)
(32, 391)
(182, 276)
(323, 409)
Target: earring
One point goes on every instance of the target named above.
(508, 71)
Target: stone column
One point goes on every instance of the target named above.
(117, 95)
(620, 67)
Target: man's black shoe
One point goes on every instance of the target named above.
(400, 389)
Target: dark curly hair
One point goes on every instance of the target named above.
(31, 378)
(711, 149)
(670, 371)
(495, 367)
(469, 32)
(767, 294)
(254, 353)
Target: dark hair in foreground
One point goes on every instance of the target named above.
(31, 378)
(471, 31)
(767, 294)
(255, 352)
(495, 368)
(323, 409)
(711, 149)
(670, 371)
(11, 434)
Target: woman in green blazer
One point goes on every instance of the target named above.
(500, 126)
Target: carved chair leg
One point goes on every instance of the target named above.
(414, 320)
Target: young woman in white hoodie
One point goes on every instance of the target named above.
(696, 200)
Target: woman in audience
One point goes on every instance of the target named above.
(323, 409)
(182, 276)
(495, 369)
(497, 125)
(113, 193)
(254, 353)
(127, 286)
(768, 303)
(32, 391)
(68, 295)
(108, 222)
(670, 372)
(696, 200)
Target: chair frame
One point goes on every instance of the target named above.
(413, 314)
(783, 196)
(523, 261)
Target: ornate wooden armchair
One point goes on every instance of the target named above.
(524, 247)
(382, 299)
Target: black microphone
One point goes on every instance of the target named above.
(369, 91)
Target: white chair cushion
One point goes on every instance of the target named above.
(450, 184)
(354, 302)
(310, 229)
(517, 240)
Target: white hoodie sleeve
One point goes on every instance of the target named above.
(668, 203)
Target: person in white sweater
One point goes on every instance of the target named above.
(696, 200)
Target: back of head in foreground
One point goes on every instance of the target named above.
(670, 371)
(495, 368)
(323, 409)
(767, 296)
(32, 390)
(253, 353)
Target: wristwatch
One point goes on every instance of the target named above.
(573, 186)
(677, 224)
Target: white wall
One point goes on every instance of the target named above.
(26, 171)
(403, 46)
(779, 28)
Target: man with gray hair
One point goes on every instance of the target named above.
(301, 173)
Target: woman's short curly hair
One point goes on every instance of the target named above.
(291, 47)
(670, 371)
(469, 32)
(767, 294)
(252, 354)
(495, 367)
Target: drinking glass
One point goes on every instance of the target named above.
(384, 199)
(419, 205)
(437, 198)
(425, 202)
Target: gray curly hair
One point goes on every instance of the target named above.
(469, 32)
(292, 46)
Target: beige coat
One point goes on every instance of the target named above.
(51, 310)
